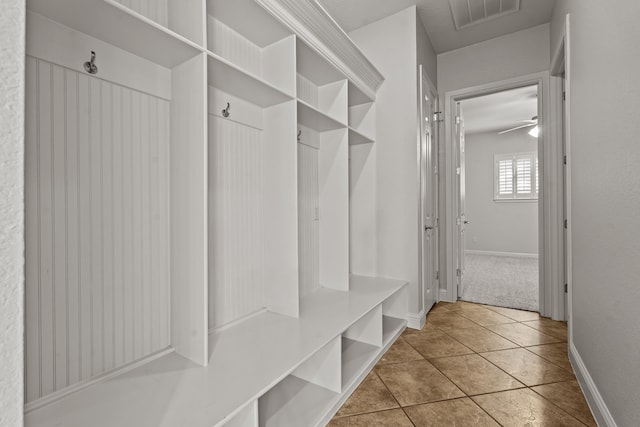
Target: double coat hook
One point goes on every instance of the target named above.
(90, 66)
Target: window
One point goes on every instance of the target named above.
(516, 177)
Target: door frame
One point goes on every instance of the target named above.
(431, 88)
(561, 70)
(551, 268)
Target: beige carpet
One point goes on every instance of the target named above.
(501, 281)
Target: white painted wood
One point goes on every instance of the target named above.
(508, 254)
(308, 210)
(333, 176)
(323, 368)
(242, 16)
(189, 218)
(265, 52)
(247, 86)
(357, 138)
(77, 235)
(281, 211)
(362, 119)
(279, 64)
(396, 305)
(187, 18)
(356, 356)
(60, 45)
(314, 66)
(247, 417)
(313, 118)
(135, 33)
(332, 99)
(367, 330)
(236, 224)
(156, 10)
(247, 360)
(294, 402)
(362, 210)
(241, 111)
(391, 327)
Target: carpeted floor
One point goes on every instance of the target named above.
(501, 281)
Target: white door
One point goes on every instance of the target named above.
(462, 216)
(428, 192)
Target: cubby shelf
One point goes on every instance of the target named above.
(246, 361)
(356, 138)
(312, 117)
(390, 327)
(135, 33)
(356, 356)
(244, 85)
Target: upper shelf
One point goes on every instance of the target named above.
(120, 26)
(313, 118)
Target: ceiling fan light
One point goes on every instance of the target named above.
(535, 131)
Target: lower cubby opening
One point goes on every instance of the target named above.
(247, 417)
(356, 357)
(294, 402)
(391, 326)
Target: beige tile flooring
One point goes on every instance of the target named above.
(472, 365)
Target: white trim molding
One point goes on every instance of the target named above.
(313, 25)
(510, 254)
(416, 320)
(596, 403)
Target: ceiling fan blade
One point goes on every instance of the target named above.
(517, 127)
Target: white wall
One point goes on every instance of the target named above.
(390, 44)
(426, 55)
(506, 226)
(605, 198)
(517, 54)
(12, 51)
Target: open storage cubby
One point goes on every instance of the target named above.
(252, 179)
(242, 34)
(187, 215)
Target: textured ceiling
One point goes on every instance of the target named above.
(500, 111)
(438, 20)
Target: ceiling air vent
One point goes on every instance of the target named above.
(471, 12)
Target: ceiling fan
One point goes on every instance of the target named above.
(528, 123)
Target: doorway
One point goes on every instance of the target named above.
(550, 214)
(499, 187)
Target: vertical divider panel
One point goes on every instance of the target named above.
(279, 64)
(332, 100)
(281, 209)
(189, 195)
(333, 174)
(324, 368)
(362, 210)
(188, 18)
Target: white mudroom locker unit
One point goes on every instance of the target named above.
(196, 214)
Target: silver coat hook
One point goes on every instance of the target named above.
(299, 135)
(90, 66)
(225, 112)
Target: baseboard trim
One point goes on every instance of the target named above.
(444, 295)
(416, 320)
(596, 403)
(510, 254)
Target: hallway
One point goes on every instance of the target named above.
(472, 365)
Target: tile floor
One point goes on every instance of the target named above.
(472, 365)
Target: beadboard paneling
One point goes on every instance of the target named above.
(97, 227)
(156, 10)
(236, 209)
(308, 225)
(232, 46)
(307, 90)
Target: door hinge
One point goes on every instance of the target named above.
(458, 120)
(437, 275)
(564, 95)
(458, 273)
(566, 223)
(566, 288)
(564, 159)
(436, 116)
